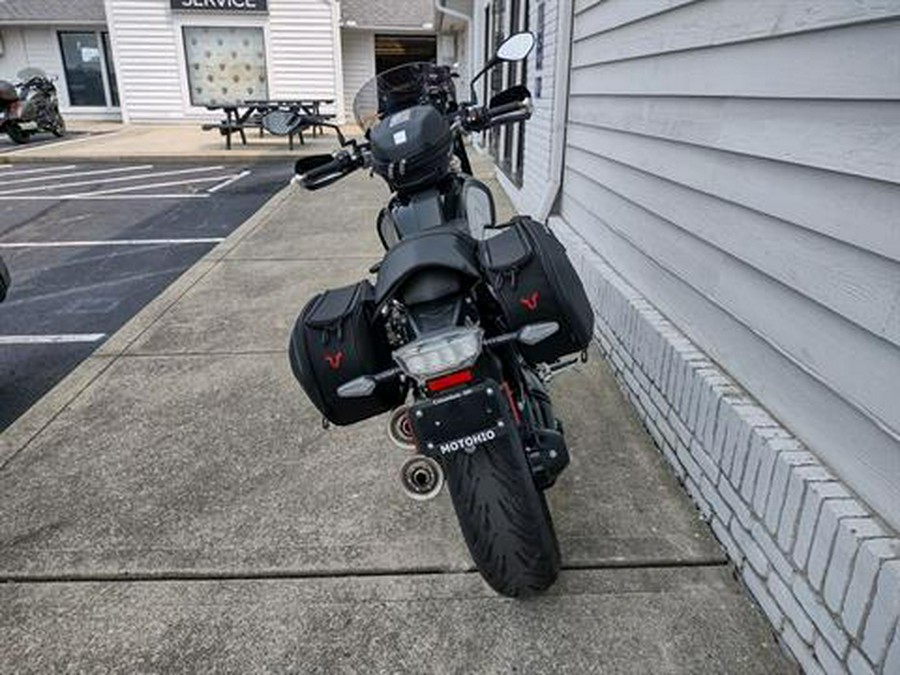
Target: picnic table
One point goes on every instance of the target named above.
(250, 114)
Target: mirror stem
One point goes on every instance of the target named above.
(487, 66)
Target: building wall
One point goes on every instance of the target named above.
(38, 47)
(731, 193)
(544, 128)
(358, 58)
(301, 53)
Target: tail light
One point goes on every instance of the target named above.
(449, 381)
(444, 353)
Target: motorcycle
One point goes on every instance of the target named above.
(30, 106)
(469, 318)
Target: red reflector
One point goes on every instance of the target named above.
(451, 380)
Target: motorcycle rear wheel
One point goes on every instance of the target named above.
(16, 133)
(504, 519)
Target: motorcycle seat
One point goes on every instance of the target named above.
(446, 249)
(8, 92)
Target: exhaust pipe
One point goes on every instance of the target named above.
(400, 428)
(421, 477)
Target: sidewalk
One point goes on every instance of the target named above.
(110, 142)
(174, 505)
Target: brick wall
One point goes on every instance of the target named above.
(820, 564)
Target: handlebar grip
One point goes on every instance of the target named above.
(327, 174)
(481, 119)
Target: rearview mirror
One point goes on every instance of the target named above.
(310, 162)
(516, 47)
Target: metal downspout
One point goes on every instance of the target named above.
(470, 37)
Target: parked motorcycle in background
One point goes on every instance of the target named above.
(468, 317)
(30, 106)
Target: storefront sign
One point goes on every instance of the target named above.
(221, 5)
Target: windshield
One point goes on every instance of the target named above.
(400, 88)
(27, 73)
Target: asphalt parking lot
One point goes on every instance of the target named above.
(89, 244)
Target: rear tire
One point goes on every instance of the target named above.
(504, 519)
(16, 133)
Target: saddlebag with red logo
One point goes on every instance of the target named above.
(533, 280)
(334, 341)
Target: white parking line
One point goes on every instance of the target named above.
(110, 242)
(35, 179)
(134, 188)
(157, 174)
(87, 196)
(43, 170)
(70, 338)
(226, 183)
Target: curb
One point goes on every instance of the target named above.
(19, 435)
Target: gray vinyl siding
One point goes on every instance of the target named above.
(739, 163)
(358, 60)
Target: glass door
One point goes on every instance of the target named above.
(88, 63)
(83, 60)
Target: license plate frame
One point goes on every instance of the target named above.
(465, 421)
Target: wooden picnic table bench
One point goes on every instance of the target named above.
(250, 115)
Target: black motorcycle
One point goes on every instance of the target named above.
(468, 317)
(30, 106)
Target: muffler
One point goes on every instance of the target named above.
(400, 428)
(421, 477)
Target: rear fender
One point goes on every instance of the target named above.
(474, 419)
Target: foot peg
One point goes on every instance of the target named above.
(547, 372)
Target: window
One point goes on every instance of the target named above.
(87, 61)
(396, 50)
(225, 65)
(507, 143)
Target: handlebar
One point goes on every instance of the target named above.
(481, 119)
(342, 164)
(318, 171)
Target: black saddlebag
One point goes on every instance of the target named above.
(533, 279)
(334, 342)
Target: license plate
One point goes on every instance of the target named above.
(464, 421)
